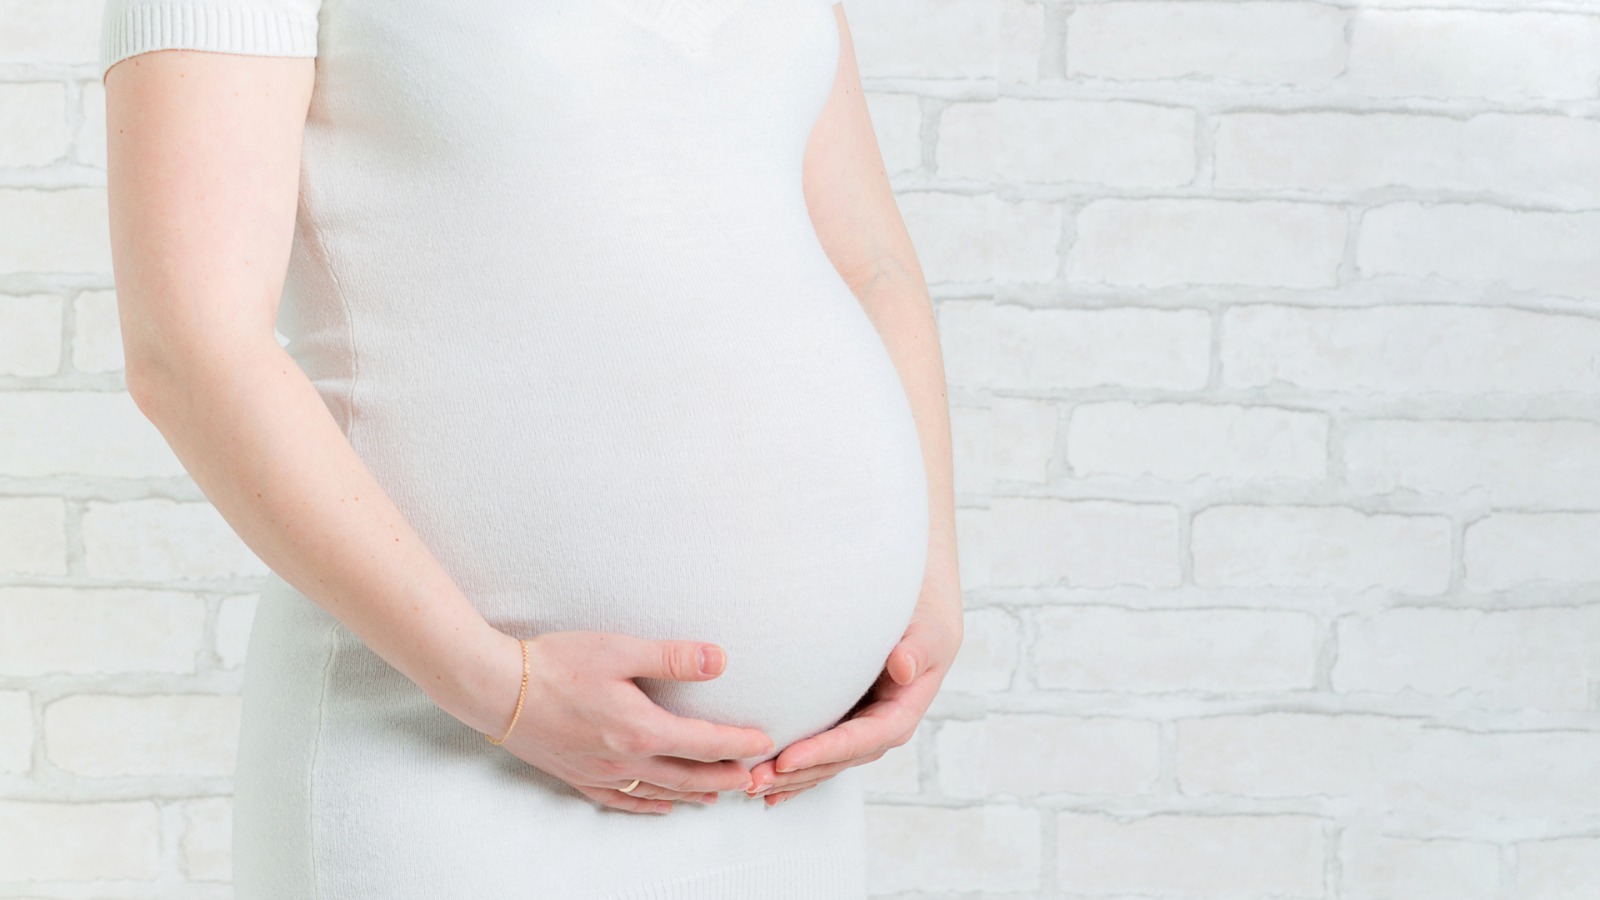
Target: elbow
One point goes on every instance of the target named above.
(149, 385)
(168, 382)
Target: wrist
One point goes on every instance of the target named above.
(481, 685)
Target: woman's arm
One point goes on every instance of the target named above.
(203, 158)
(203, 184)
(853, 208)
(858, 222)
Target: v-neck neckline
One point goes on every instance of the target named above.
(687, 24)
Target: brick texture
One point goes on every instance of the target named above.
(1274, 363)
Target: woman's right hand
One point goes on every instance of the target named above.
(587, 723)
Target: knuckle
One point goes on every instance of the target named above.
(635, 742)
(618, 740)
(608, 768)
(674, 662)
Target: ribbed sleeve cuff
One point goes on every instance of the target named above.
(138, 27)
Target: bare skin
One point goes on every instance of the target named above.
(203, 162)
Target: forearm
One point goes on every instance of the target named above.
(895, 296)
(258, 440)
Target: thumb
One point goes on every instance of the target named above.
(911, 657)
(677, 660)
(908, 659)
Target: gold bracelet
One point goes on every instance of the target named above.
(520, 694)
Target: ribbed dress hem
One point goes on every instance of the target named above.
(789, 877)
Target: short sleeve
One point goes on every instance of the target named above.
(256, 27)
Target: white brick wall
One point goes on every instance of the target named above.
(1275, 369)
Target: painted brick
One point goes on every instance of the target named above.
(1383, 867)
(175, 734)
(1008, 346)
(95, 433)
(1030, 755)
(989, 848)
(52, 231)
(1164, 242)
(33, 535)
(1103, 648)
(1320, 546)
(1511, 549)
(979, 239)
(1479, 244)
(1218, 441)
(1481, 54)
(1559, 869)
(1548, 157)
(1189, 855)
(1219, 42)
(1420, 774)
(30, 331)
(1550, 463)
(79, 841)
(1409, 349)
(1082, 543)
(163, 540)
(1485, 657)
(1103, 142)
(82, 631)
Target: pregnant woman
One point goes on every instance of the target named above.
(606, 468)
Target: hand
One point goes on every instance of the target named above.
(887, 716)
(585, 722)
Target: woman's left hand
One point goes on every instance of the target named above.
(887, 716)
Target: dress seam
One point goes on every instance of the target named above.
(344, 304)
(316, 747)
(349, 430)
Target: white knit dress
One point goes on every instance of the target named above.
(554, 275)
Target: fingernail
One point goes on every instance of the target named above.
(711, 659)
(708, 798)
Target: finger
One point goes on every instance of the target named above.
(892, 717)
(812, 774)
(764, 772)
(912, 655)
(672, 660)
(656, 792)
(695, 777)
(701, 740)
(615, 799)
(872, 729)
(774, 799)
(618, 800)
(902, 663)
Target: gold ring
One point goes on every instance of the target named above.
(630, 787)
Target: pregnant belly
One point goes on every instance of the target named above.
(751, 477)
